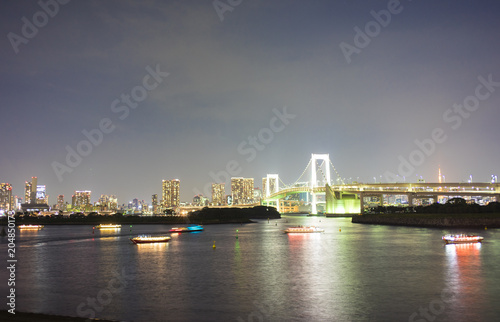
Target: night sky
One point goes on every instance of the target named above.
(362, 86)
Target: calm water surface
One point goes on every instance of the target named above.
(351, 272)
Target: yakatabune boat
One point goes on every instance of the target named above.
(109, 226)
(144, 239)
(462, 239)
(302, 229)
(30, 227)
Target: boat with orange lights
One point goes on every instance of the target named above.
(146, 239)
(30, 227)
(302, 229)
(462, 239)
(109, 226)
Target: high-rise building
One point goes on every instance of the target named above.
(143, 205)
(30, 191)
(154, 203)
(34, 185)
(41, 195)
(171, 193)
(17, 202)
(242, 190)
(27, 191)
(81, 199)
(108, 202)
(60, 203)
(218, 194)
(200, 200)
(6, 198)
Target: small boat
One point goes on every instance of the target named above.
(109, 226)
(30, 227)
(144, 239)
(302, 229)
(195, 228)
(462, 239)
(186, 229)
(178, 229)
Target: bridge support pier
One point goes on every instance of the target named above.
(362, 203)
(314, 210)
(410, 199)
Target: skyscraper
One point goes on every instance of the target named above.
(60, 203)
(81, 199)
(154, 203)
(108, 202)
(6, 199)
(34, 185)
(242, 190)
(171, 193)
(41, 195)
(218, 194)
(30, 191)
(27, 192)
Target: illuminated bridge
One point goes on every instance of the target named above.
(354, 198)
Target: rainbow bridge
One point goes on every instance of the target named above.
(349, 199)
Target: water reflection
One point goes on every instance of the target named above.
(464, 277)
(151, 247)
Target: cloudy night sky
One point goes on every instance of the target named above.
(363, 99)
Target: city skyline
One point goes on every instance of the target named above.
(115, 97)
(170, 190)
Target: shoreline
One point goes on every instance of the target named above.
(466, 220)
(205, 216)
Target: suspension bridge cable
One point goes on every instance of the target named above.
(338, 175)
(307, 166)
(319, 168)
(284, 184)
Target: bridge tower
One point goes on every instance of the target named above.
(314, 181)
(270, 185)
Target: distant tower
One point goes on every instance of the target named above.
(440, 177)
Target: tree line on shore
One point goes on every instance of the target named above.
(452, 206)
(205, 215)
